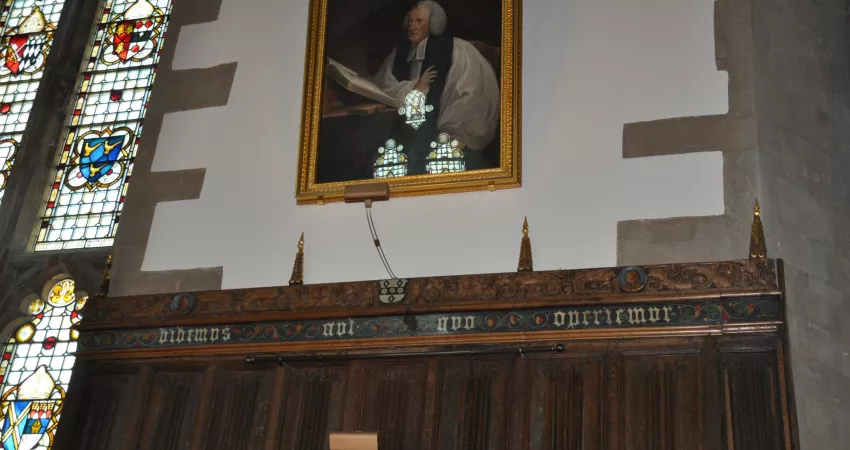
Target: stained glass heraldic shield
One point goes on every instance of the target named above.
(27, 28)
(36, 368)
(101, 139)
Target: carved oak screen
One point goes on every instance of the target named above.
(672, 357)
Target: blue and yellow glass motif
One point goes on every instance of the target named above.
(98, 155)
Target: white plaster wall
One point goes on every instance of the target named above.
(589, 67)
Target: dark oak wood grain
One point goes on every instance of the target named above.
(241, 402)
(708, 383)
(170, 410)
(105, 400)
(649, 394)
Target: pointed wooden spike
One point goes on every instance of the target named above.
(526, 261)
(106, 278)
(297, 277)
(758, 247)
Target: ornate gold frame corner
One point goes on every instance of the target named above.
(509, 173)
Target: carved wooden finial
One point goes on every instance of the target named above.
(297, 278)
(106, 278)
(758, 248)
(526, 262)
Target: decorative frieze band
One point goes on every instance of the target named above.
(523, 289)
(624, 316)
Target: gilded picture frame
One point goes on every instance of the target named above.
(503, 174)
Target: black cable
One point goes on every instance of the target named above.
(375, 239)
(374, 232)
(381, 249)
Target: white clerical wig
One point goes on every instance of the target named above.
(437, 18)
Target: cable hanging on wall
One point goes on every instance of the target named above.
(367, 194)
(377, 241)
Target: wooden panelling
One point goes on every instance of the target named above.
(314, 406)
(170, 410)
(392, 402)
(662, 402)
(563, 404)
(652, 394)
(473, 404)
(752, 402)
(240, 406)
(102, 416)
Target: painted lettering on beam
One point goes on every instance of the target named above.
(603, 317)
(180, 335)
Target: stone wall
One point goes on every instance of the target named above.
(796, 56)
(802, 79)
(707, 238)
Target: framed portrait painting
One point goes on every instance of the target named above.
(422, 95)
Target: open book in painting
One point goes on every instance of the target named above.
(353, 82)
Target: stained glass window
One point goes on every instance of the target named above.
(446, 156)
(414, 109)
(36, 369)
(100, 141)
(27, 33)
(391, 162)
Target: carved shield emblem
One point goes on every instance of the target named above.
(391, 291)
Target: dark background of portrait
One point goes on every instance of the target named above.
(361, 33)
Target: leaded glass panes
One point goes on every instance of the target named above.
(36, 368)
(96, 161)
(446, 156)
(27, 32)
(391, 161)
(415, 109)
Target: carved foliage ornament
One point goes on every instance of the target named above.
(562, 286)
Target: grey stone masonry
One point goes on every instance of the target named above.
(175, 90)
(786, 141)
(734, 133)
(802, 79)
